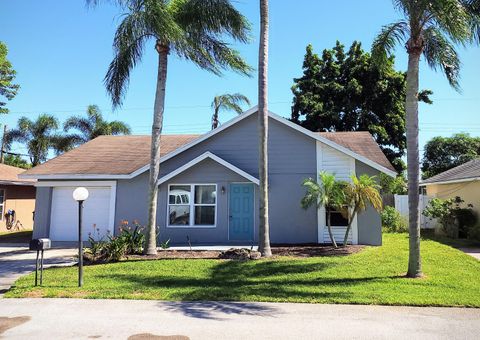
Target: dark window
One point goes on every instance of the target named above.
(336, 219)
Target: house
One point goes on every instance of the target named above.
(208, 184)
(17, 199)
(462, 181)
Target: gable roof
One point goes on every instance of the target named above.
(213, 157)
(9, 176)
(128, 156)
(466, 172)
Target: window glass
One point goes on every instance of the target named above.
(204, 215)
(179, 215)
(205, 194)
(337, 219)
(179, 194)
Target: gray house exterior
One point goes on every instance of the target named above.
(208, 187)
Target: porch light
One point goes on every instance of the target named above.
(80, 194)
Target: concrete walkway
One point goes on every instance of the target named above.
(16, 261)
(131, 319)
(474, 252)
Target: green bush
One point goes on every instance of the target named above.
(474, 232)
(392, 221)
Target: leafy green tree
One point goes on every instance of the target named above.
(327, 192)
(8, 89)
(92, 126)
(360, 193)
(443, 153)
(346, 91)
(227, 102)
(190, 29)
(17, 161)
(264, 227)
(428, 28)
(396, 185)
(39, 136)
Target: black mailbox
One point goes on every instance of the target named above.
(40, 244)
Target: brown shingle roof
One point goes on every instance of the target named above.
(9, 175)
(466, 171)
(362, 143)
(112, 155)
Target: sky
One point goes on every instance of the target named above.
(61, 51)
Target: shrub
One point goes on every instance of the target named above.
(474, 232)
(133, 237)
(392, 221)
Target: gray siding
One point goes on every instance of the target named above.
(369, 221)
(43, 202)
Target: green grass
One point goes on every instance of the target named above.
(373, 276)
(23, 236)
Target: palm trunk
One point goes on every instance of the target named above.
(151, 242)
(264, 228)
(329, 227)
(215, 119)
(411, 108)
(349, 226)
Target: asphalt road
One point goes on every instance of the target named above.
(132, 319)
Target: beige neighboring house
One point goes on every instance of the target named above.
(462, 181)
(16, 195)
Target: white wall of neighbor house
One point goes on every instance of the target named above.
(342, 166)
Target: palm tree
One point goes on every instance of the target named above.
(227, 102)
(93, 126)
(192, 30)
(429, 28)
(264, 228)
(328, 193)
(363, 191)
(39, 136)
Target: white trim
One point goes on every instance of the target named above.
(202, 157)
(192, 206)
(453, 181)
(2, 203)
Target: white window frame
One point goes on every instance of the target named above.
(2, 204)
(192, 206)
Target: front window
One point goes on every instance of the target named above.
(2, 203)
(336, 219)
(185, 211)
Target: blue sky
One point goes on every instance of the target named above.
(61, 51)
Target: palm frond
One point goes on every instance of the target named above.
(385, 42)
(85, 126)
(439, 52)
(451, 17)
(119, 128)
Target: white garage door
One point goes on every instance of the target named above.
(64, 217)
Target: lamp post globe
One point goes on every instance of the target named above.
(80, 195)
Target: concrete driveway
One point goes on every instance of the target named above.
(131, 319)
(17, 260)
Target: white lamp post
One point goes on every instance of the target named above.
(80, 194)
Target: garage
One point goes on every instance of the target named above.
(97, 213)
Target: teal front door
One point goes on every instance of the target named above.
(241, 212)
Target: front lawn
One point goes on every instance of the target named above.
(372, 276)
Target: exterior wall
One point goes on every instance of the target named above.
(468, 191)
(20, 198)
(41, 226)
(369, 221)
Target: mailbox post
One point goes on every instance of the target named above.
(39, 244)
(80, 195)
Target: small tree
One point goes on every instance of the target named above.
(363, 191)
(227, 102)
(328, 193)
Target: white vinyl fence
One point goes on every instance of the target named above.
(401, 204)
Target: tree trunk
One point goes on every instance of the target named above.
(264, 228)
(329, 226)
(151, 240)
(349, 226)
(215, 118)
(411, 108)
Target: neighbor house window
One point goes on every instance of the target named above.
(2, 203)
(192, 205)
(337, 219)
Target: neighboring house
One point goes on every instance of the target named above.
(462, 181)
(208, 185)
(17, 196)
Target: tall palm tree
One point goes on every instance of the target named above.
(191, 29)
(227, 102)
(38, 136)
(327, 192)
(264, 228)
(428, 28)
(360, 193)
(93, 126)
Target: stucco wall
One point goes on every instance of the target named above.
(468, 191)
(21, 199)
(369, 221)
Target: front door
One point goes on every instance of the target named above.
(241, 212)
